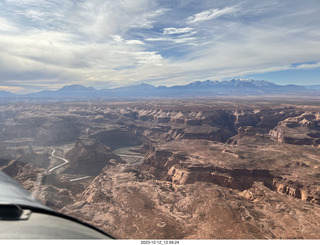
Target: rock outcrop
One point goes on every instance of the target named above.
(50, 189)
(301, 130)
(198, 170)
(239, 179)
(89, 157)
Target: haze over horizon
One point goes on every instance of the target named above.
(105, 44)
(145, 85)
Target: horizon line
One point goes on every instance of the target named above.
(145, 83)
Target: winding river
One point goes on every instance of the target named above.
(65, 161)
(130, 155)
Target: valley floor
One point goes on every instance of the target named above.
(175, 169)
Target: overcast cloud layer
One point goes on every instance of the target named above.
(46, 44)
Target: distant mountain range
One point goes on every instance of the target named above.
(235, 87)
(313, 87)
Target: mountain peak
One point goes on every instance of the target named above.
(202, 84)
(233, 87)
(76, 88)
(143, 86)
(5, 94)
(247, 83)
(228, 83)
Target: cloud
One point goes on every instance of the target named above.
(254, 50)
(176, 40)
(6, 26)
(90, 19)
(96, 20)
(173, 30)
(11, 89)
(176, 35)
(58, 57)
(210, 14)
(44, 44)
(135, 42)
(119, 39)
(308, 65)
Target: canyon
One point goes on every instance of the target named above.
(218, 168)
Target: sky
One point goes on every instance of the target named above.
(47, 44)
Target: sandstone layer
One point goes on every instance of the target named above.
(202, 169)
